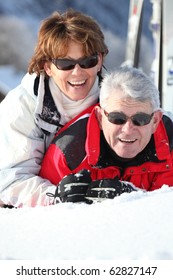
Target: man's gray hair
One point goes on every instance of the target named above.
(133, 83)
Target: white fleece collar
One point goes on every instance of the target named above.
(68, 108)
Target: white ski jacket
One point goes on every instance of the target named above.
(28, 122)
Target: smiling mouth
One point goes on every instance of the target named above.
(77, 84)
(128, 141)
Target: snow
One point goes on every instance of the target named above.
(134, 226)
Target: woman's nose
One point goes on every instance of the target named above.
(77, 68)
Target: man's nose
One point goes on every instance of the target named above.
(128, 125)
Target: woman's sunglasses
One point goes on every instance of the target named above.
(138, 119)
(68, 64)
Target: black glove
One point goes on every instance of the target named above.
(73, 187)
(108, 188)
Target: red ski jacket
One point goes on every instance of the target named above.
(80, 145)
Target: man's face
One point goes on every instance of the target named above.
(127, 140)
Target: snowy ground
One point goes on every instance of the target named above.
(135, 226)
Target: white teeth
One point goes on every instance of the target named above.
(128, 140)
(77, 83)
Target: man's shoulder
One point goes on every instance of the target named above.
(80, 118)
(71, 140)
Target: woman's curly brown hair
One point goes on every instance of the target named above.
(58, 30)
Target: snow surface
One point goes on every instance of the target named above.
(135, 226)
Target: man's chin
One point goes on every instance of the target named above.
(125, 157)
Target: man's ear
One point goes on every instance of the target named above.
(156, 119)
(98, 113)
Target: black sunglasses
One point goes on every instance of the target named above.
(68, 64)
(120, 118)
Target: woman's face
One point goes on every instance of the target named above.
(75, 83)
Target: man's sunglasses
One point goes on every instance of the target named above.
(68, 64)
(120, 118)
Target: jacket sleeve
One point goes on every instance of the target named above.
(164, 174)
(21, 152)
(162, 178)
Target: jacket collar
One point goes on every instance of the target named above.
(46, 115)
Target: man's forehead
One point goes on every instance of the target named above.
(114, 103)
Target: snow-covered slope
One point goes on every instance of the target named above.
(133, 226)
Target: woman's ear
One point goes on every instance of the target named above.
(100, 62)
(99, 115)
(47, 69)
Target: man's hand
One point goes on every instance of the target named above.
(108, 188)
(73, 187)
(79, 187)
